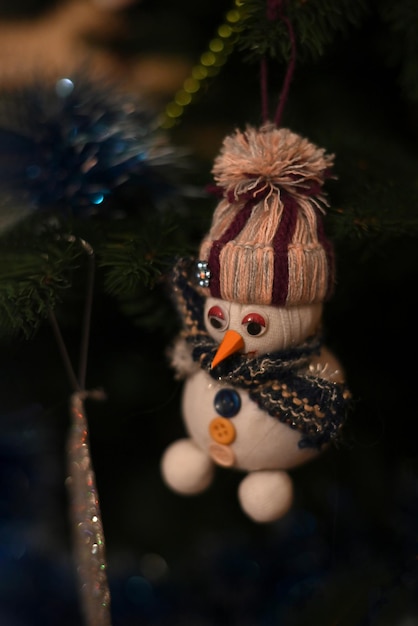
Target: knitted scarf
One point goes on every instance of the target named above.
(280, 383)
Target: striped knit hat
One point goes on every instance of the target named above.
(266, 244)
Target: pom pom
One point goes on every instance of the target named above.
(186, 468)
(266, 495)
(67, 146)
(276, 157)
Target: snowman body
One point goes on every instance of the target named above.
(234, 432)
(226, 427)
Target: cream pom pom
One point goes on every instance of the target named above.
(278, 156)
(266, 495)
(186, 468)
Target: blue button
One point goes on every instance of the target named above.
(227, 402)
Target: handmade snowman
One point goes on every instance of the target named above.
(261, 394)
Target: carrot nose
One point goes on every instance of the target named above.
(232, 342)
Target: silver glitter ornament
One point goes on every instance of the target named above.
(89, 542)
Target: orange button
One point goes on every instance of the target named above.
(222, 430)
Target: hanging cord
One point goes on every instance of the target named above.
(78, 382)
(86, 326)
(264, 91)
(63, 351)
(274, 12)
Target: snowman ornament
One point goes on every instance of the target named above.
(262, 394)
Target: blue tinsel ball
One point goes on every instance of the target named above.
(66, 147)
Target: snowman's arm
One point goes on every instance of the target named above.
(180, 358)
(327, 366)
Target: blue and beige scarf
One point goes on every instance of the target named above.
(280, 383)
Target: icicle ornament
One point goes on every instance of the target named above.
(66, 147)
(88, 535)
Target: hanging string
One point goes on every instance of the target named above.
(84, 348)
(290, 68)
(264, 91)
(275, 12)
(216, 55)
(63, 351)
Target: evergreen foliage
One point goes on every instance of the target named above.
(373, 197)
(316, 26)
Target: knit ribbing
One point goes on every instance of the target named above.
(231, 232)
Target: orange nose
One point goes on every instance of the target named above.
(232, 342)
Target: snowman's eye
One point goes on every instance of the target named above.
(255, 324)
(217, 318)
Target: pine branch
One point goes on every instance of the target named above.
(354, 224)
(33, 280)
(400, 45)
(316, 25)
(132, 261)
(374, 206)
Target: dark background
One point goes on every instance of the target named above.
(346, 554)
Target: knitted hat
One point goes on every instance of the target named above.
(266, 244)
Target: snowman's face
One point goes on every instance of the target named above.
(263, 328)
